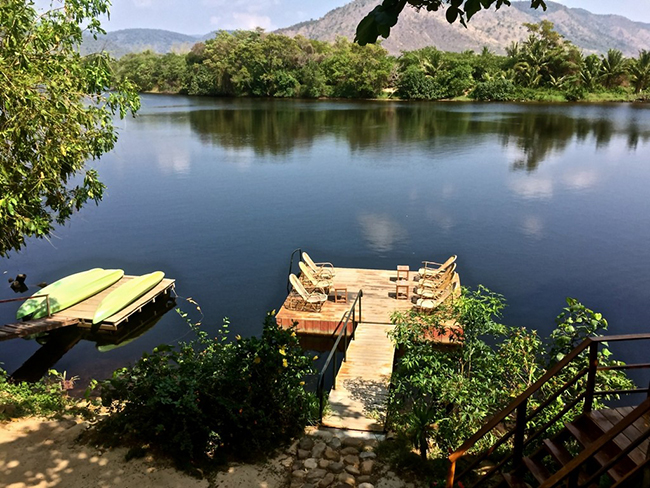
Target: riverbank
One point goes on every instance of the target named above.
(39, 452)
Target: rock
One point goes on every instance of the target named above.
(371, 445)
(303, 454)
(331, 454)
(309, 485)
(364, 478)
(323, 435)
(353, 470)
(351, 459)
(352, 442)
(366, 467)
(297, 465)
(327, 480)
(347, 479)
(306, 443)
(296, 484)
(21, 278)
(298, 475)
(287, 462)
(366, 485)
(367, 455)
(293, 448)
(318, 449)
(349, 450)
(311, 463)
(335, 443)
(336, 467)
(323, 463)
(316, 474)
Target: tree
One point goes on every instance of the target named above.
(56, 112)
(380, 19)
(640, 72)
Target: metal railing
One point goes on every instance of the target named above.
(22, 299)
(299, 251)
(331, 359)
(520, 433)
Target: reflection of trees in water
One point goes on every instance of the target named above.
(279, 128)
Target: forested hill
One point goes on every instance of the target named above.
(496, 30)
(125, 41)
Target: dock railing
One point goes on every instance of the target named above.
(517, 416)
(22, 299)
(349, 315)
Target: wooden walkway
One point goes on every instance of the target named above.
(359, 400)
(82, 313)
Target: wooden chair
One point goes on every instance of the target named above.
(428, 305)
(311, 282)
(301, 299)
(431, 268)
(323, 271)
(428, 286)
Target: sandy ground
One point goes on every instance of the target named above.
(38, 453)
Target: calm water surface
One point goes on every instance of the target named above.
(540, 202)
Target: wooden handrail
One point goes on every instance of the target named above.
(522, 399)
(594, 447)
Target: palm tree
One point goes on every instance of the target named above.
(640, 72)
(612, 68)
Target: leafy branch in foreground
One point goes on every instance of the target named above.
(56, 112)
(213, 396)
(383, 17)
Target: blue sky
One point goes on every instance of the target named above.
(203, 16)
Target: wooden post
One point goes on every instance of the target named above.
(520, 432)
(334, 370)
(450, 475)
(591, 376)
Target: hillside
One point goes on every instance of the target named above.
(496, 30)
(121, 42)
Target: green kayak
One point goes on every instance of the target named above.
(80, 290)
(126, 294)
(32, 304)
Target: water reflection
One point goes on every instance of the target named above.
(272, 128)
(381, 232)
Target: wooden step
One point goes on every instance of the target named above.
(587, 433)
(514, 481)
(560, 454)
(537, 469)
(606, 419)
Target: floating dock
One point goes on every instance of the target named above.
(359, 400)
(82, 313)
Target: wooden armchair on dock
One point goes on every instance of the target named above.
(431, 270)
(301, 299)
(312, 282)
(427, 287)
(324, 271)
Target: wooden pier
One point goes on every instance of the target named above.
(359, 400)
(82, 313)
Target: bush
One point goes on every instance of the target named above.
(211, 397)
(497, 90)
(46, 397)
(442, 394)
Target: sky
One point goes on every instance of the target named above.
(197, 17)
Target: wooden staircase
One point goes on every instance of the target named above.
(607, 447)
(612, 441)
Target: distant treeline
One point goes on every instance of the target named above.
(253, 63)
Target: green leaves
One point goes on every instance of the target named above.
(379, 21)
(55, 114)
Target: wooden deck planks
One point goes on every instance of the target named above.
(377, 304)
(24, 329)
(607, 418)
(359, 400)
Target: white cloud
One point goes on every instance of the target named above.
(532, 187)
(581, 179)
(533, 226)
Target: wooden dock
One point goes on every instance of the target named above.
(82, 313)
(359, 400)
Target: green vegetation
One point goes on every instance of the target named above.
(55, 114)
(544, 67)
(212, 397)
(442, 394)
(46, 397)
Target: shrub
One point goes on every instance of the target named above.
(496, 90)
(211, 397)
(442, 394)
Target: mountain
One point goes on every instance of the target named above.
(494, 29)
(121, 42)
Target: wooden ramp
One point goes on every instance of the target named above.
(82, 313)
(359, 400)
